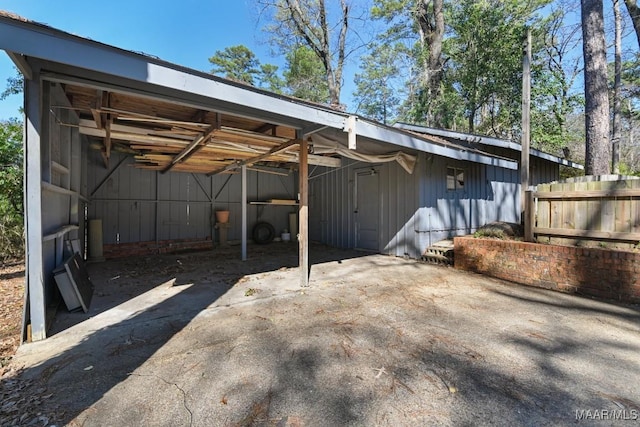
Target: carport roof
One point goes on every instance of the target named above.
(174, 118)
(480, 140)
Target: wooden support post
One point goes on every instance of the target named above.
(34, 146)
(244, 212)
(529, 216)
(107, 142)
(303, 216)
(526, 108)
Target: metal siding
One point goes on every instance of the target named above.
(416, 210)
(127, 202)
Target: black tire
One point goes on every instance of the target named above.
(263, 233)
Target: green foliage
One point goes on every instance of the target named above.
(305, 75)
(236, 63)
(482, 56)
(269, 78)
(375, 93)
(485, 51)
(489, 232)
(626, 169)
(15, 85)
(630, 89)
(11, 164)
(11, 189)
(325, 29)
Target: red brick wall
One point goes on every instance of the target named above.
(596, 272)
(123, 250)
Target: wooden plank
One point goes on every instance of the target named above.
(55, 189)
(568, 209)
(623, 211)
(581, 214)
(317, 160)
(529, 216)
(607, 211)
(556, 208)
(303, 214)
(543, 209)
(255, 159)
(190, 149)
(57, 167)
(282, 202)
(593, 234)
(60, 232)
(634, 209)
(588, 194)
(107, 142)
(594, 207)
(36, 317)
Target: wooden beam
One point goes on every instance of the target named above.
(587, 194)
(243, 199)
(107, 139)
(199, 116)
(266, 127)
(105, 159)
(273, 151)
(529, 216)
(35, 270)
(303, 215)
(95, 112)
(192, 148)
(22, 64)
(60, 232)
(526, 123)
(592, 234)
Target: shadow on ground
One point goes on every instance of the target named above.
(375, 340)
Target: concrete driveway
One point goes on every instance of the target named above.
(203, 339)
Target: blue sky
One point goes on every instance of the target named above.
(185, 32)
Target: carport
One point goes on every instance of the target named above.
(93, 110)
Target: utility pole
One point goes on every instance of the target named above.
(526, 122)
(617, 129)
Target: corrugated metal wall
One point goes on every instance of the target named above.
(138, 205)
(61, 166)
(415, 210)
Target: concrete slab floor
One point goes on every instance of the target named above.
(204, 339)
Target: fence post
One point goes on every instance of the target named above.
(529, 216)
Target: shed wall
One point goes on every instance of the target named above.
(416, 210)
(137, 205)
(61, 150)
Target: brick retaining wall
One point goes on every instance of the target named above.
(122, 250)
(596, 272)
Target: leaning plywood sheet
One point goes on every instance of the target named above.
(74, 284)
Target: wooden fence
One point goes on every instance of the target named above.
(595, 210)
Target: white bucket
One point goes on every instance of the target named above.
(286, 237)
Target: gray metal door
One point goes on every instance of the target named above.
(367, 212)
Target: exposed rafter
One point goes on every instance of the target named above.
(256, 159)
(195, 145)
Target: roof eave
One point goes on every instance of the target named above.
(28, 39)
(486, 140)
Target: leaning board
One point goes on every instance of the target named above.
(74, 283)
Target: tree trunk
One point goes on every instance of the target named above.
(318, 38)
(634, 12)
(615, 137)
(431, 34)
(597, 155)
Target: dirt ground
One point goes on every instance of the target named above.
(11, 301)
(204, 339)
